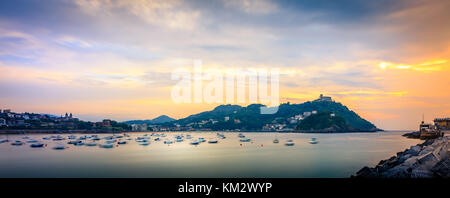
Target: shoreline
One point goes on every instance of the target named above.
(429, 159)
(56, 131)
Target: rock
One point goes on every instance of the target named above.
(426, 150)
(442, 168)
(415, 135)
(428, 160)
(421, 172)
(399, 171)
(403, 158)
(414, 150)
(366, 172)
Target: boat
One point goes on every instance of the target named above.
(46, 138)
(96, 138)
(213, 141)
(3, 140)
(58, 138)
(276, 141)
(80, 143)
(74, 142)
(32, 141)
(121, 142)
(25, 137)
(200, 139)
(107, 145)
(429, 131)
(188, 137)
(179, 140)
(240, 135)
(289, 143)
(313, 141)
(157, 139)
(245, 140)
(71, 137)
(194, 142)
(144, 143)
(59, 147)
(17, 143)
(37, 145)
(91, 144)
(168, 142)
(110, 141)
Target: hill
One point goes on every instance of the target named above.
(158, 120)
(288, 116)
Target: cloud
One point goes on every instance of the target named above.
(252, 6)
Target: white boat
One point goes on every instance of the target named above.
(110, 141)
(200, 139)
(245, 140)
(240, 135)
(194, 142)
(276, 141)
(80, 143)
(74, 142)
(71, 137)
(289, 143)
(144, 143)
(3, 140)
(107, 145)
(91, 144)
(17, 143)
(213, 141)
(168, 142)
(96, 138)
(32, 141)
(26, 137)
(313, 141)
(59, 147)
(188, 137)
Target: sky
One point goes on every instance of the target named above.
(389, 61)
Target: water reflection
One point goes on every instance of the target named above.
(336, 155)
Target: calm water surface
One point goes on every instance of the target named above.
(337, 155)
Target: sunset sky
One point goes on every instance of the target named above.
(389, 61)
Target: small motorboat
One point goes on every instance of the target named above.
(121, 142)
(32, 141)
(25, 137)
(46, 138)
(168, 142)
(96, 138)
(3, 140)
(313, 141)
(58, 138)
(213, 141)
(107, 145)
(71, 137)
(194, 142)
(276, 141)
(157, 139)
(80, 143)
(201, 139)
(110, 141)
(74, 142)
(179, 140)
(240, 135)
(245, 140)
(91, 144)
(188, 137)
(17, 143)
(289, 143)
(37, 145)
(59, 147)
(144, 143)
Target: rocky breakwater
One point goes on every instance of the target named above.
(430, 159)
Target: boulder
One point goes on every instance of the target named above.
(421, 172)
(414, 150)
(442, 168)
(428, 160)
(367, 172)
(399, 171)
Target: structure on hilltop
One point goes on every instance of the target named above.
(323, 98)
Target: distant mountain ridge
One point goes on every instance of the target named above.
(158, 120)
